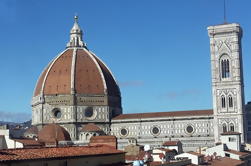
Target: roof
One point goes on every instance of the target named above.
(52, 133)
(28, 142)
(90, 75)
(164, 114)
(32, 130)
(226, 161)
(140, 156)
(76, 70)
(231, 133)
(103, 138)
(196, 154)
(171, 143)
(173, 162)
(90, 127)
(237, 152)
(167, 150)
(55, 152)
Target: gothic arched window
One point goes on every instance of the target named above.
(225, 71)
(223, 102)
(224, 128)
(231, 127)
(230, 101)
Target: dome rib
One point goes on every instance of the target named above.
(88, 76)
(73, 71)
(39, 90)
(77, 71)
(58, 81)
(39, 84)
(100, 71)
(112, 80)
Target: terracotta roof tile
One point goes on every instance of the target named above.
(112, 87)
(28, 142)
(238, 152)
(91, 75)
(56, 152)
(225, 161)
(171, 143)
(140, 156)
(52, 133)
(58, 80)
(88, 79)
(164, 114)
(104, 140)
(40, 81)
(167, 150)
(104, 137)
(90, 127)
(32, 130)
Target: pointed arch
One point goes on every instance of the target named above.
(224, 127)
(227, 69)
(231, 127)
(230, 101)
(225, 66)
(222, 69)
(223, 102)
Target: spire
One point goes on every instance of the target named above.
(76, 35)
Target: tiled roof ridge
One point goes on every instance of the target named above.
(171, 142)
(237, 152)
(61, 147)
(104, 136)
(168, 113)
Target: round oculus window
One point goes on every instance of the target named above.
(123, 132)
(155, 130)
(189, 129)
(89, 112)
(57, 113)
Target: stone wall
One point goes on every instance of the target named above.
(193, 132)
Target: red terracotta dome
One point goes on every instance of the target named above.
(76, 71)
(90, 127)
(53, 133)
(32, 130)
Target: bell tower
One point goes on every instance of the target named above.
(227, 79)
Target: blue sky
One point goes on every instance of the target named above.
(158, 50)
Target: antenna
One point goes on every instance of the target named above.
(225, 19)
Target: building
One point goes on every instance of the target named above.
(196, 158)
(6, 142)
(104, 140)
(231, 147)
(31, 132)
(176, 145)
(163, 154)
(77, 88)
(225, 161)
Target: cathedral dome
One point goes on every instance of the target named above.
(76, 71)
(52, 133)
(76, 88)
